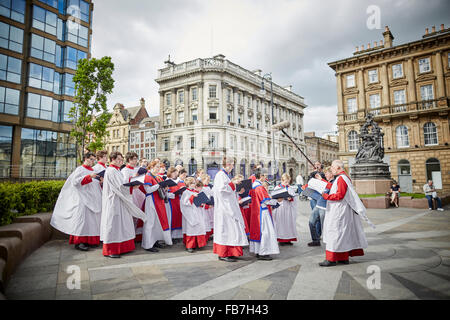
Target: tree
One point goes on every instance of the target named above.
(93, 81)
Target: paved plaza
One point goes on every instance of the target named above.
(410, 248)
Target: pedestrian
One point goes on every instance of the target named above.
(343, 232)
(229, 227)
(173, 206)
(78, 208)
(316, 219)
(208, 209)
(395, 193)
(431, 193)
(285, 216)
(318, 170)
(117, 227)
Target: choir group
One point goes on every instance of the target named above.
(120, 204)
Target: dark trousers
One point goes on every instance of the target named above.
(430, 202)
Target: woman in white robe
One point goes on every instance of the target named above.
(78, 209)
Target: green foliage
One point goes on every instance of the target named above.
(27, 198)
(402, 194)
(93, 81)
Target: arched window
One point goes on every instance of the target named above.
(430, 134)
(178, 162)
(434, 172)
(401, 133)
(404, 167)
(353, 141)
(192, 166)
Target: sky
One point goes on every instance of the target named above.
(293, 39)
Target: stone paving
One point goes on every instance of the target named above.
(410, 248)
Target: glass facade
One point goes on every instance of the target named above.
(10, 68)
(9, 101)
(46, 154)
(11, 37)
(5, 150)
(13, 9)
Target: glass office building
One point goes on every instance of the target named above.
(41, 43)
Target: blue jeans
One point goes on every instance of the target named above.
(312, 203)
(315, 223)
(430, 202)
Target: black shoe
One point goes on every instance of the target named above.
(314, 244)
(343, 262)
(266, 257)
(81, 247)
(114, 256)
(158, 245)
(190, 250)
(327, 263)
(227, 259)
(152, 249)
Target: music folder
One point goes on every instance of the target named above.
(167, 183)
(135, 181)
(100, 174)
(200, 199)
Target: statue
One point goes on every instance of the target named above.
(371, 149)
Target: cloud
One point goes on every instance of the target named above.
(293, 39)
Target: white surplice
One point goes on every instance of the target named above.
(229, 226)
(285, 218)
(342, 229)
(118, 209)
(78, 209)
(192, 216)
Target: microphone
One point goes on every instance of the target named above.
(281, 125)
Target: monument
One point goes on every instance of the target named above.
(370, 175)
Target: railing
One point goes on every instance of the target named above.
(350, 116)
(36, 171)
(212, 63)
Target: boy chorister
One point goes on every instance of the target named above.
(207, 209)
(193, 221)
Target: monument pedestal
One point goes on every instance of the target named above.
(371, 177)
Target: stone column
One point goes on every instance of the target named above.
(340, 99)
(385, 84)
(411, 95)
(440, 85)
(361, 95)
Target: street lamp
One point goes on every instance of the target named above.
(268, 77)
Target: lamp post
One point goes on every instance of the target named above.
(268, 77)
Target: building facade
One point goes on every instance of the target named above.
(320, 149)
(40, 45)
(211, 108)
(143, 137)
(406, 87)
(120, 124)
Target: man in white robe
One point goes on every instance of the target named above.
(343, 231)
(117, 226)
(102, 159)
(78, 209)
(229, 226)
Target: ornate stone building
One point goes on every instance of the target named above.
(211, 108)
(406, 87)
(320, 149)
(120, 124)
(143, 137)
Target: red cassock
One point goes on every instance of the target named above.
(339, 195)
(158, 202)
(246, 215)
(175, 206)
(257, 194)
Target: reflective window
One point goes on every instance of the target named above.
(77, 33)
(69, 85)
(11, 37)
(9, 101)
(13, 9)
(402, 136)
(72, 56)
(46, 154)
(78, 9)
(42, 107)
(5, 150)
(10, 68)
(47, 21)
(43, 48)
(41, 77)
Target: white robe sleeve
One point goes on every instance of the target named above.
(187, 209)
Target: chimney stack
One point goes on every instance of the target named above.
(388, 37)
(368, 45)
(442, 27)
(362, 47)
(433, 29)
(426, 31)
(142, 102)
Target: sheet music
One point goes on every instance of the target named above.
(317, 185)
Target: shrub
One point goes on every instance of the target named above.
(18, 199)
